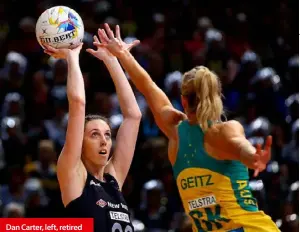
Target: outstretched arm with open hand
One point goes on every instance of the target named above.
(128, 131)
(227, 141)
(165, 115)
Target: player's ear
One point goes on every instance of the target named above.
(184, 102)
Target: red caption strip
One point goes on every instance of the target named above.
(47, 224)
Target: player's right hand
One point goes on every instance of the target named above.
(262, 157)
(62, 53)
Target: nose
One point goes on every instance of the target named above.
(103, 141)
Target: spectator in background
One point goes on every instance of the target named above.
(13, 141)
(290, 153)
(153, 212)
(181, 223)
(37, 202)
(44, 169)
(267, 92)
(2, 158)
(148, 125)
(15, 190)
(172, 87)
(14, 210)
(56, 126)
(12, 74)
(39, 103)
(292, 75)
(13, 106)
(292, 105)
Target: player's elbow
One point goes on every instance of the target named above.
(77, 100)
(243, 150)
(137, 115)
(234, 146)
(134, 114)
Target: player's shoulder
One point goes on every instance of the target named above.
(232, 126)
(232, 123)
(227, 125)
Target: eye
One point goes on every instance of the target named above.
(107, 135)
(95, 134)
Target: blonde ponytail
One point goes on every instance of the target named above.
(205, 86)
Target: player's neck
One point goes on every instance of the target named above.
(192, 118)
(95, 170)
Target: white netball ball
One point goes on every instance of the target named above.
(60, 27)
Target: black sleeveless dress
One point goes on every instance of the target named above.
(103, 202)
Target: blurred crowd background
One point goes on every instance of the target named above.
(251, 45)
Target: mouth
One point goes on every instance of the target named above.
(102, 152)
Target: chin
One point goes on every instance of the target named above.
(102, 160)
(102, 164)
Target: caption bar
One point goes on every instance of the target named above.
(47, 224)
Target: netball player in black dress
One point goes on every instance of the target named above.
(90, 182)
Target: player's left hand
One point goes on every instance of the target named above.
(262, 157)
(113, 42)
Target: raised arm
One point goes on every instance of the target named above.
(166, 116)
(69, 159)
(231, 143)
(128, 131)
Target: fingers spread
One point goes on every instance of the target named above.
(99, 44)
(267, 155)
(91, 51)
(102, 35)
(258, 149)
(133, 44)
(268, 143)
(96, 39)
(118, 34)
(256, 157)
(136, 42)
(109, 31)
